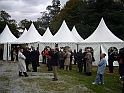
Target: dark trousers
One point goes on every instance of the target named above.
(89, 73)
(61, 64)
(38, 61)
(44, 59)
(27, 64)
(49, 64)
(75, 61)
(80, 66)
(111, 66)
(34, 65)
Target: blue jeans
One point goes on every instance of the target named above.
(101, 77)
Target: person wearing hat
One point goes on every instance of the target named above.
(101, 69)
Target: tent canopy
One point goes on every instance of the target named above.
(75, 33)
(31, 36)
(64, 35)
(6, 36)
(47, 35)
(25, 31)
(102, 34)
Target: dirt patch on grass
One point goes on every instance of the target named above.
(37, 82)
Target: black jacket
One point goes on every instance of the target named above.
(54, 58)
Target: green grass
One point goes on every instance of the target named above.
(112, 82)
(74, 78)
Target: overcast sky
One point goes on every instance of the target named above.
(26, 9)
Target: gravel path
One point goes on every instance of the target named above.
(37, 82)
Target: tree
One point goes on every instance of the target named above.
(86, 15)
(48, 16)
(24, 24)
(5, 19)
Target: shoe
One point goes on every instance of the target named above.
(26, 75)
(101, 83)
(20, 74)
(94, 83)
(55, 80)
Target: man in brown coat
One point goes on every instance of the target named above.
(67, 60)
(88, 58)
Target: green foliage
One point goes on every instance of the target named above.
(5, 19)
(86, 15)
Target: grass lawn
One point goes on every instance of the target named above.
(73, 77)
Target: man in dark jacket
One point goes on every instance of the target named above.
(27, 55)
(61, 58)
(33, 59)
(37, 56)
(71, 57)
(84, 60)
(111, 59)
(80, 60)
(75, 57)
(54, 62)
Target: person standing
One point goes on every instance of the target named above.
(61, 58)
(84, 60)
(110, 61)
(67, 61)
(71, 57)
(21, 63)
(47, 53)
(14, 55)
(101, 69)
(75, 57)
(1, 54)
(37, 56)
(80, 60)
(43, 56)
(27, 55)
(88, 58)
(33, 59)
(54, 62)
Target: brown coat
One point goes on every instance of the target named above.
(67, 60)
(14, 54)
(88, 58)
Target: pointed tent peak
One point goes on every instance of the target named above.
(76, 34)
(102, 34)
(47, 35)
(32, 27)
(7, 36)
(31, 36)
(64, 32)
(24, 32)
(47, 32)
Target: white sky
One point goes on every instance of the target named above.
(26, 9)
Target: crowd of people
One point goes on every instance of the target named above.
(63, 58)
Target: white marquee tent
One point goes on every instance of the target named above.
(31, 36)
(64, 37)
(102, 38)
(25, 31)
(75, 33)
(47, 35)
(5, 37)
